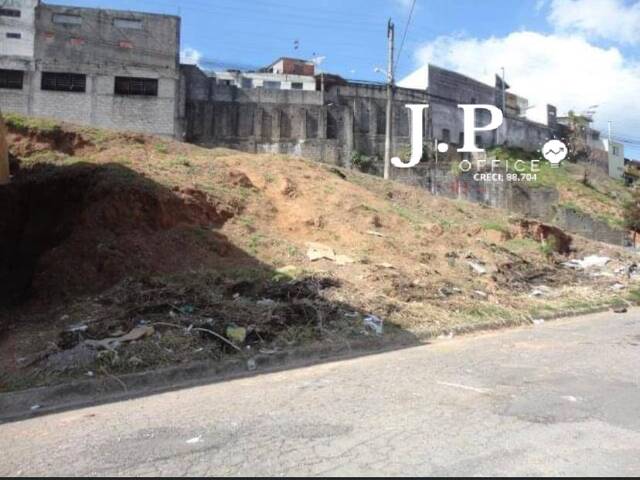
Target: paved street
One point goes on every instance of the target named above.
(561, 398)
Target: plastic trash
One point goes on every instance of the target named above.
(588, 262)
(374, 323)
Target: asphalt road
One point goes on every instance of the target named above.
(561, 398)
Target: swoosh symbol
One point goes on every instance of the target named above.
(551, 150)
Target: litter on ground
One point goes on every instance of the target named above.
(374, 323)
(112, 343)
(590, 261)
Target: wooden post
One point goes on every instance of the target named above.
(4, 153)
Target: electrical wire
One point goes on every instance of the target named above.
(404, 36)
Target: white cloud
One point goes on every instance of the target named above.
(190, 56)
(608, 19)
(566, 71)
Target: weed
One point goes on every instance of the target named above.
(25, 124)
(161, 148)
(497, 226)
(255, 241)
(520, 245)
(269, 178)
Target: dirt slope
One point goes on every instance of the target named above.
(109, 230)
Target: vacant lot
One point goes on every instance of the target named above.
(125, 252)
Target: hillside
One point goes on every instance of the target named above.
(582, 188)
(206, 252)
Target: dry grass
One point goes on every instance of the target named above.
(414, 272)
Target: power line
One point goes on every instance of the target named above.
(404, 35)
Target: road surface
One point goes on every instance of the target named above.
(561, 398)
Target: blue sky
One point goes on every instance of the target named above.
(350, 33)
(572, 53)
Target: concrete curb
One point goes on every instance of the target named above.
(82, 393)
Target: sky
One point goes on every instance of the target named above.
(574, 54)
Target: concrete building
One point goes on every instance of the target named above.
(292, 66)
(120, 70)
(447, 89)
(266, 80)
(616, 160)
(328, 126)
(107, 68)
(17, 33)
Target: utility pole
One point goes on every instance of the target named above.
(504, 107)
(387, 139)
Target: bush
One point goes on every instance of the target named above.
(631, 212)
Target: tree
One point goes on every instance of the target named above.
(579, 142)
(578, 136)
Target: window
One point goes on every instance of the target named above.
(14, 35)
(271, 85)
(67, 19)
(247, 83)
(296, 85)
(224, 82)
(136, 86)
(130, 23)
(461, 139)
(446, 135)
(9, 12)
(11, 79)
(478, 141)
(64, 82)
(616, 152)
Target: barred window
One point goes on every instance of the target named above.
(11, 79)
(14, 35)
(64, 82)
(129, 23)
(67, 19)
(136, 86)
(9, 12)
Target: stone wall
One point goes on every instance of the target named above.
(328, 127)
(593, 228)
(535, 202)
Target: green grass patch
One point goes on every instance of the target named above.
(407, 214)
(25, 124)
(522, 245)
(497, 226)
(161, 148)
(488, 312)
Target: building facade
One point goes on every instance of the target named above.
(107, 68)
(616, 160)
(447, 89)
(328, 124)
(120, 70)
